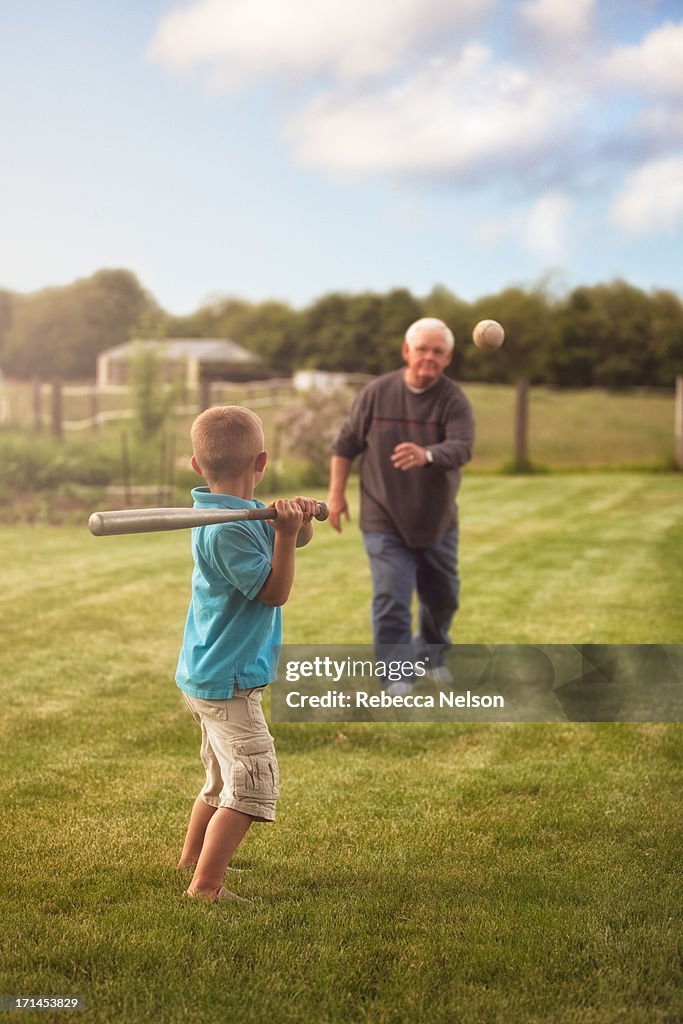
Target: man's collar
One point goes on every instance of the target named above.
(418, 391)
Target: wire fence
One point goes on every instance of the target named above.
(74, 408)
(571, 428)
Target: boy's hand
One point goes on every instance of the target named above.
(289, 517)
(309, 507)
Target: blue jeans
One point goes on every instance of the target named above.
(397, 572)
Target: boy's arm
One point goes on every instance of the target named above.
(278, 585)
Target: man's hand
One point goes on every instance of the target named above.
(338, 507)
(289, 517)
(408, 456)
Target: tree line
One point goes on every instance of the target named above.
(612, 335)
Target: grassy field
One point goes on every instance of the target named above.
(483, 874)
(567, 429)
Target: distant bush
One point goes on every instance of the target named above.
(310, 424)
(30, 463)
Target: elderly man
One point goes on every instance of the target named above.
(413, 429)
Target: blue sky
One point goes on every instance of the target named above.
(272, 149)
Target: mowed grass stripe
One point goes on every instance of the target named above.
(581, 559)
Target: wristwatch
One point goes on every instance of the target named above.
(429, 457)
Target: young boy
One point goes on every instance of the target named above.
(243, 573)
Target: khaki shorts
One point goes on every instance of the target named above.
(238, 754)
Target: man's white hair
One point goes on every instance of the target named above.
(430, 323)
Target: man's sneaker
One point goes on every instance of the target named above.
(440, 674)
(400, 688)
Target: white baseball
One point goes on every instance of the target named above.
(488, 334)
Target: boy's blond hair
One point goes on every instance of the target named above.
(226, 440)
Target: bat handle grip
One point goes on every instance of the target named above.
(321, 513)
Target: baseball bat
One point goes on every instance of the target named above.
(156, 520)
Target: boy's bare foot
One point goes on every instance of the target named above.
(222, 894)
(181, 866)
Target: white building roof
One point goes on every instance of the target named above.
(206, 350)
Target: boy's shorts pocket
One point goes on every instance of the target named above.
(256, 775)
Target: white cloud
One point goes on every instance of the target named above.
(655, 66)
(242, 40)
(404, 97)
(544, 228)
(548, 224)
(661, 126)
(651, 199)
(466, 120)
(558, 19)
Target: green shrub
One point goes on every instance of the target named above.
(310, 424)
(30, 463)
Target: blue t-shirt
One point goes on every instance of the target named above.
(229, 635)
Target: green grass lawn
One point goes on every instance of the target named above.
(468, 873)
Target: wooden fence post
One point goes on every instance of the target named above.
(125, 468)
(95, 408)
(57, 425)
(678, 422)
(204, 394)
(521, 423)
(37, 404)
